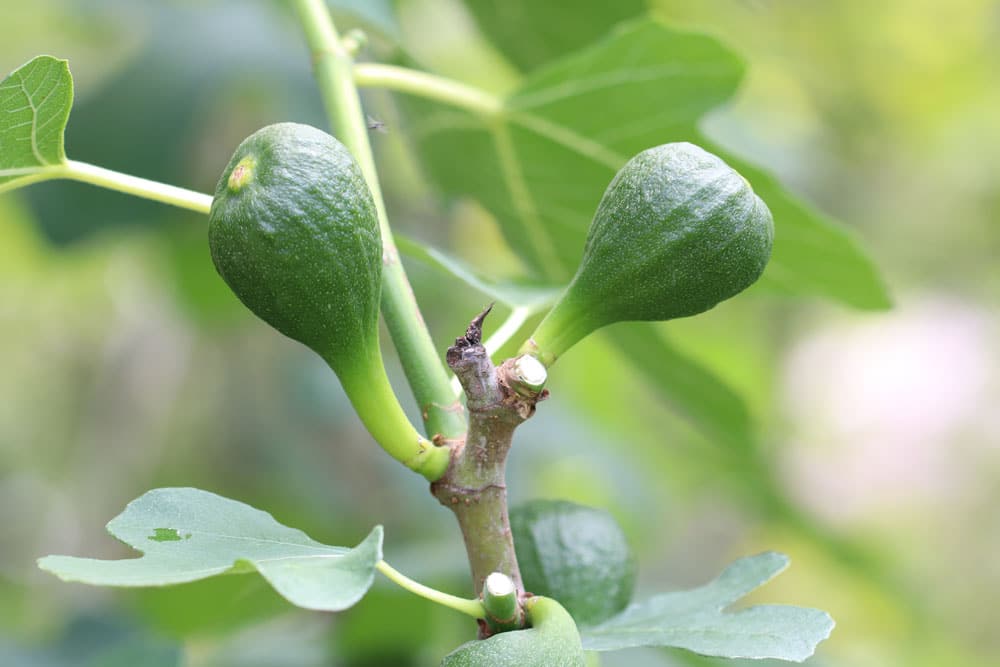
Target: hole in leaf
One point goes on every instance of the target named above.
(167, 535)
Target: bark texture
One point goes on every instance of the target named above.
(474, 487)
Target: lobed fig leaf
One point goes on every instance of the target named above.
(699, 619)
(677, 231)
(551, 641)
(575, 554)
(188, 535)
(293, 231)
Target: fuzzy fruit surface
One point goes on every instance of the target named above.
(575, 554)
(551, 641)
(294, 233)
(677, 231)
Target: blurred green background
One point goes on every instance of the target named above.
(128, 365)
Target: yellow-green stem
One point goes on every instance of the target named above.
(473, 608)
(113, 180)
(375, 402)
(426, 85)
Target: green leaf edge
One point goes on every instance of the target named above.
(782, 562)
(876, 297)
(50, 563)
(873, 293)
(44, 171)
(532, 297)
(725, 420)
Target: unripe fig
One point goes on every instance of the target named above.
(551, 641)
(294, 233)
(575, 554)
(677, 231)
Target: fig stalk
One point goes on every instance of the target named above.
(551, 640)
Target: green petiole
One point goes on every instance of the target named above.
(113, 180)
(470, 607)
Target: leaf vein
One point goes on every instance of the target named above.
(524, 201)
(577, 87)
(246, 538)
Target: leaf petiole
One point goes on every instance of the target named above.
(27, 175)
(431, 86)
(470, 607)
(112, 180)
(140, 187)
(508, 328)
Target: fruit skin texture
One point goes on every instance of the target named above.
(677, 231)
(299, 242)
(293, 231)
(551, 641)
(575, 554)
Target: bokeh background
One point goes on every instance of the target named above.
(127, 365)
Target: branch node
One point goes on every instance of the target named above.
(474, 488)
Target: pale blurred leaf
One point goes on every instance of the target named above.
(532, 297)
(696, 620)
(188, 534)
(531, 33)
(377, 15)
(812, 253)
(692, 389)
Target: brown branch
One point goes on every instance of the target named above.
(474, 487)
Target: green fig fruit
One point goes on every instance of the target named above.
(575, 554)
(677, 231)
(551, 641)
(293, 231)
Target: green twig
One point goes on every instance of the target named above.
(426, 374)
